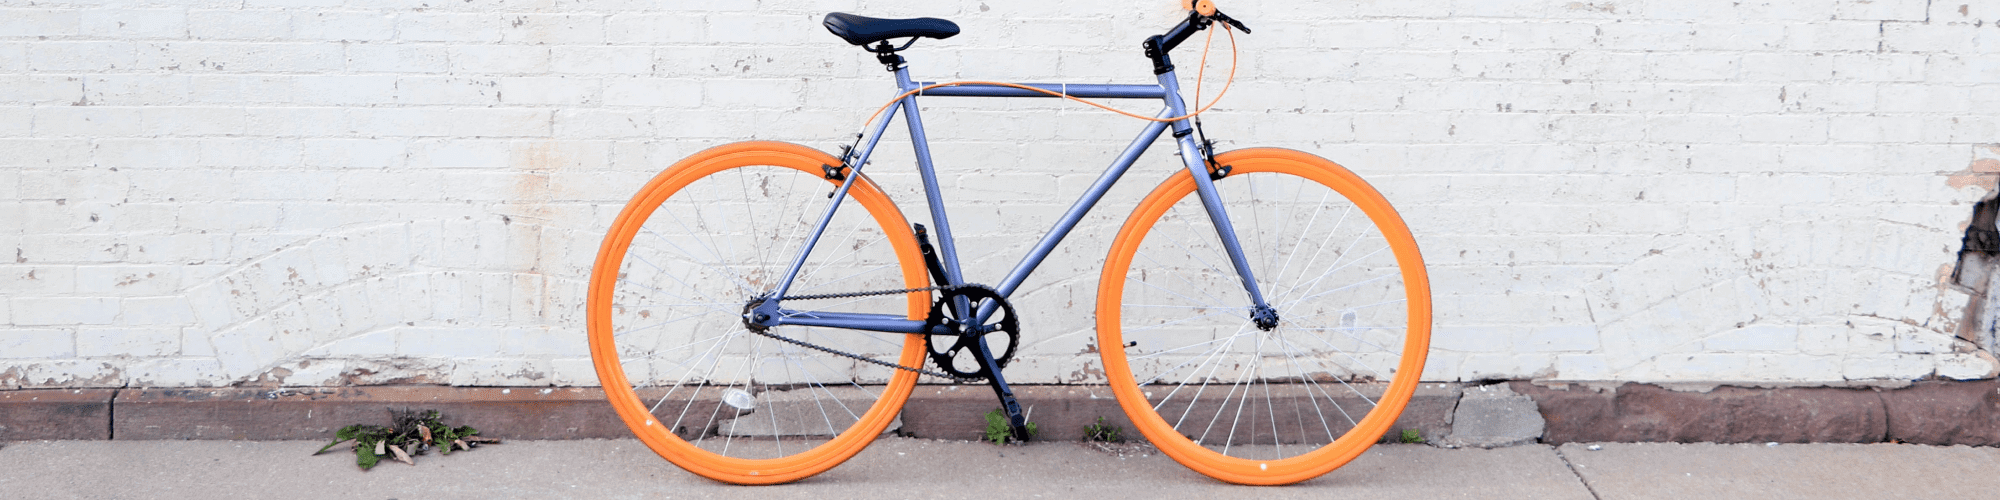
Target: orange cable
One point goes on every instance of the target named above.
(1199, 75)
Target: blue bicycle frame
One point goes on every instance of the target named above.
(1168, 90)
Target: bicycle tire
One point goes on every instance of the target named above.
(1179, 348)
(714, 231)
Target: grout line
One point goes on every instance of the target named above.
(1579, 475)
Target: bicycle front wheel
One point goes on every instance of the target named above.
(1192, 368)
(673, 277)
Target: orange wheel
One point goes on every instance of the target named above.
(667, 295)
(1244, 404)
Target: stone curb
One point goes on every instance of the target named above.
(1929, 412)
(1941, 413)
(948, 412)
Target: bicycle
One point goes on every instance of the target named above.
(734, 350)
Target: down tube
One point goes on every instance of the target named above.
(1077, 211)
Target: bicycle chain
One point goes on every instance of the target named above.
(859, 357)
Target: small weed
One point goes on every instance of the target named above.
(999, 432)
(410, 433)
(1102, 432)
(1410, 436)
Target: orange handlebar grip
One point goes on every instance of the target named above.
(1204, 7)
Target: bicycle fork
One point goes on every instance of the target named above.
(1197, 157)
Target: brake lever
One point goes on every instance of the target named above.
(1219, 16)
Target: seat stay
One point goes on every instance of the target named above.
(839, 195)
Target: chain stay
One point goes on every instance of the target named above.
(859, 357)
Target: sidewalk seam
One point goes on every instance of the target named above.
(1579, 475)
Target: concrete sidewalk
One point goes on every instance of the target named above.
(924, 468)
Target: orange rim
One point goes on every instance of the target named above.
(625, 400)
(1325, 458)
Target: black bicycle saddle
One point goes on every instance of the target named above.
(861, 30)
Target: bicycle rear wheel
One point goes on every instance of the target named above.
(1243, 404)
(673, 277)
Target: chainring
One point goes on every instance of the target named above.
(1002, 321)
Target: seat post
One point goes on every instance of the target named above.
(886, 54)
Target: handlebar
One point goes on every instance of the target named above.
(1201, 13)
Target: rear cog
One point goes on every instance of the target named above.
(955, 354)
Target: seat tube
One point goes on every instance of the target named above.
(947, 248)
(1211, 200)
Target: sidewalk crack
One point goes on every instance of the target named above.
(1579, 476)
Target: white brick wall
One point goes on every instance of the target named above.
(339, 192)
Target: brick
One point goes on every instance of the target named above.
(652, 92)
(396, 58)
(362, 26)
(192, 121)
(235, 24)
(603, 124)
(241, 57)
(137, 342)
(549, 90)
(449, 27)
(174, 372)
(42, 89)
(64, 311)
(651, 27)
(758, 28)
(41, 22)
(1848, 36)
(82, 56)
(13, 57)
(127, 280)
(602, 60)
(553, 29)
(166, 310)
(500, 59)
(354, 153)
(31, 343)
(135, 23)
(1880, 10)
(147, 153)
(1560, 338)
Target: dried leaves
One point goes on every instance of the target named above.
(411, 433)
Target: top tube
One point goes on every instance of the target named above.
(1089, 91)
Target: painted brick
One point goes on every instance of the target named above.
(500, 59)
(41, 22)
(45, 311)
(557, 29)
(449, 27)
(549, 90)
(1651, 191)
(233, 24)
(602, 60)
(135, 23)
(30, 343)
(83, 56)
(137, 342)
(395, 58)
(240, 57)
(359, 26)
